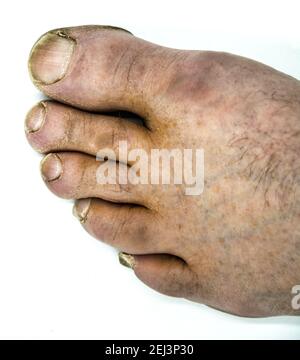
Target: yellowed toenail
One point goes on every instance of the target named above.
(35, 118)
(51, 167)
(50, 57)
(127, 260)
(81, 209)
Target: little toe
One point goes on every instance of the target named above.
(164, 273)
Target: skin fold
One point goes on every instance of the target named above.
(235, 247)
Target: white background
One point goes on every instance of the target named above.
(55, 280)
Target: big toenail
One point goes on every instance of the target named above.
(51, 167)
(35, 118)
(50, 57)
(126, 260)
(81, 209)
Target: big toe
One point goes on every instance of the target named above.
(95, 68)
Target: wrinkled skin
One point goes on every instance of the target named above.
(236, 247)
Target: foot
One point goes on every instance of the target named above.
(235, 247)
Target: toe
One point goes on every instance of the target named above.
(53, 127)
(96, 68)
(126, 227)
(76, 176)
(164, 273)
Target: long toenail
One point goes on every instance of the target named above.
(51, 167)
(81, 209)
(35, 118)
(127, 260)
(50, 57)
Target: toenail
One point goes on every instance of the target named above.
(51, 167)
(35, 118)
(127, 260)
(50, 57)
(81, 209)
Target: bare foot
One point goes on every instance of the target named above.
(235, 247)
